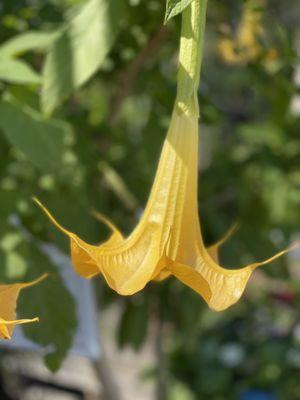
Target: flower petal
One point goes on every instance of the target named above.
(164, 274)
(8, 301)
(226, 286)
(212, 251)
(7, 327)
(190, 277)
(83, 263)
(127, 265)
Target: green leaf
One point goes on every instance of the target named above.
(23, 95)
(262, 134)
(80, 50)
(175, 7)
(16, 71)
(8, 200)
(53, 304)
(27, 41)
(41, 141)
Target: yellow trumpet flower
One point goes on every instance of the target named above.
(167, 240)
(8, 301)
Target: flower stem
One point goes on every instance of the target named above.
(190, 55)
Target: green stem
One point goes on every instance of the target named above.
(190, 55)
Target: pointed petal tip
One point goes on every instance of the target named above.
(228, 234)
(40, 279)
(35, 199)
(50, 216)
(34, 282)
(274, 257)
(38, 202)
(102, 218)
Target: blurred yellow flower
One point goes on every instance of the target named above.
(245, 47)
(8, 301)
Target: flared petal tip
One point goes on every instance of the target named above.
(39, 279)
(7, 327)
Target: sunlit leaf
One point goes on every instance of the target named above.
(16, 71)
(80, 49)
(26, 42)
(41, 141)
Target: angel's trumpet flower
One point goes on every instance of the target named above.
(167, 240)
(246, 46)
(8, 302)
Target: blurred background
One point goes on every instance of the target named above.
(87, 89)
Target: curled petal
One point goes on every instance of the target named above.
(127, 265)
(222, 287)
(83, 263)
(8, 301)
(162, 275)
(212, 250)
(7, 327)
(190, 277)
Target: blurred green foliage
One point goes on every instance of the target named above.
(87, 88)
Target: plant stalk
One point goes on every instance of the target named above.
(190, 55)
